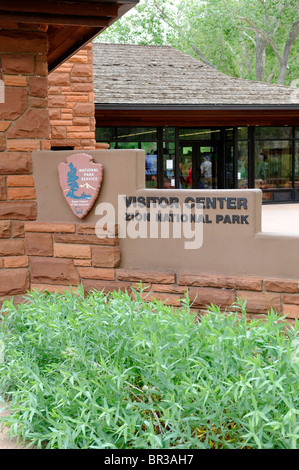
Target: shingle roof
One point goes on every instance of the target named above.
(161, 75)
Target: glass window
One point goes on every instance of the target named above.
(105, 134)
(242, 133)
(136, 134)
(151, 164)
(169, 133)
(273, 164)
(229, 165)
(297, 170)
(168, 165)
(242, 172)
(128, 145)
(195, 134)
(273, 132)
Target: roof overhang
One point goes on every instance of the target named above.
(70, 24)
(196, 115)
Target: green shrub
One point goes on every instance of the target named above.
(116, 372)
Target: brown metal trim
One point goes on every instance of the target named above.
(197, 118)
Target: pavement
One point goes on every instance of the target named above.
(281, 218)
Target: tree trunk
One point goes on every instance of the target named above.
(260, 57)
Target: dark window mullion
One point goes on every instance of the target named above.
(177, 158)
(293, 162)
(251, 160)
(160, 158)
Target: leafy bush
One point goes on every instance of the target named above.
(116, 372)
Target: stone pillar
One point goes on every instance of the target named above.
(71, 102)
(24, 128)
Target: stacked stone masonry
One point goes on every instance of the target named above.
(55, 256)
(71, 102)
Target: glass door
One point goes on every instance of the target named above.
(198, 165)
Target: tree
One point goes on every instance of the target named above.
(72, 178)
(255, 39)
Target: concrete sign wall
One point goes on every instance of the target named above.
(208, 231)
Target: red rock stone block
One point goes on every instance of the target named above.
(38, 86)
(260, 302)
(106, 286)
(56, 271)
(85, 239)
(169, 288)
(167, 299)
(2, 142)
(16, 261)
(58, 79)
(18, 63)
(282, 285)
(52, 289)
(41, 65)
(22, 210)
(22, 145)
(14, 281)
(11, 247)
(4, 125)
(17, 229)
(15, 103)
(97, 273)
(157, 277)
(81, 87)
(80, 135)
(21, 193)
(62, 250)
(58, 132)
(80, 70)
(35, 123)
(15, 163)
(291, 311)
(56, 101)
(50, 227)
(2, 188)
(20, 181)
(204, 296)
(220, 281)
(105, 256)
(15, 80)
(83, 109)
(38, 102)
(38, 244)
(82, 262)
(290, 299)
(4, 228)
(54, 113)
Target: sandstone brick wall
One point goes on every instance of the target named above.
(24, 127)
(71, 102)
(55, 256)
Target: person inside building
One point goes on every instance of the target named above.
(206, 172)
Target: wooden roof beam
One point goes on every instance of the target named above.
(70, 20)
(48, 7)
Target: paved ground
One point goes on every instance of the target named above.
(281, 218)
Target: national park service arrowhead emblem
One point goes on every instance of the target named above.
(80, 180)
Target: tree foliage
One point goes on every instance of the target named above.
(254, 39)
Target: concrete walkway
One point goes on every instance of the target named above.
(281, 218)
